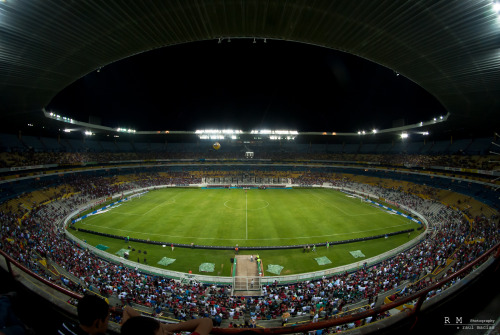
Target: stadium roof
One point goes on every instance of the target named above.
(449, 48)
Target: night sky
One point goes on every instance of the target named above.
(242, 85)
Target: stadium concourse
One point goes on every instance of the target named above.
(452, 243)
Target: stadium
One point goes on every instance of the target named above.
(241, 185)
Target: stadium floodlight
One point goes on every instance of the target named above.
(265, 132)
(374, 131)
(404, 135)
(88, 133)
(217, 134)
(286, 132)
(496, 7)
(231, 131)
(209, 131)
(125, 130)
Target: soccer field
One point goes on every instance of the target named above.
(226, 217)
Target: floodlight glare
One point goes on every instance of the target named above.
(404, 135)
(496, 7)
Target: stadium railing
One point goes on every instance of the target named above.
(490, 259)
(413, 313)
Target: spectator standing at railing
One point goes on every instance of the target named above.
(134, 323)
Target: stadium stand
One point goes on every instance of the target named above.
(339, 295)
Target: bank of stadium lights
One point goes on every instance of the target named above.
(287, 135)
(221, 134)
(217, 131)
(218, 134)
(124, 130)
(211, 137)
(404, 135)
(88, 133)
(61, 118)
(274, 132)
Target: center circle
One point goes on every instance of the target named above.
(264, 205)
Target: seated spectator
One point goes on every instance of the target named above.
(93, 315)
(9, 323)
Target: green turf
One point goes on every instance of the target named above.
(293, 260)
(254, 218)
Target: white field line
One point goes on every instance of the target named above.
(330, 204)
(129, 214)
(251, 239)
(246, 209)
(246, 216)
(160, 205)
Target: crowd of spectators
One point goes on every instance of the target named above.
(22, 159)
(39, 237)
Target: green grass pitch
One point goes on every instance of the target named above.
(222, 217)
